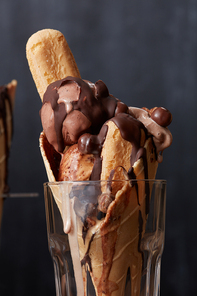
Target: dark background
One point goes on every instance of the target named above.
(146, 53)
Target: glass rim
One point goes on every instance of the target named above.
(55, 183)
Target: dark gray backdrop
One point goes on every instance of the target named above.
(146, 52)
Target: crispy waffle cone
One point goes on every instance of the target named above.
(114, 247)
(6, 129)
(51, 161)
(108, 270)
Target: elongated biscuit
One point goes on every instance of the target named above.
(49, 58)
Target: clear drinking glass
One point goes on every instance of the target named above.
(106, 237)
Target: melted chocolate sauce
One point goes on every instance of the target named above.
(93, 144)
(86, 259)
(130, 130)
(4, 97)
(98, 106)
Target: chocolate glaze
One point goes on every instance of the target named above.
(4, 97)
(96, 104)
(92, 144)
(130, 130)
(86, 259)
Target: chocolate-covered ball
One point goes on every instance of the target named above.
(162, 116)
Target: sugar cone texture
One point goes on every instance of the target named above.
(6, 130)
(49, 58)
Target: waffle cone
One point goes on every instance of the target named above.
(114, 247)
(112, 244)
(6, 129)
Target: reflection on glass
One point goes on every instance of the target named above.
(106, 237)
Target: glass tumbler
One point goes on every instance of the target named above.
(106, 237)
